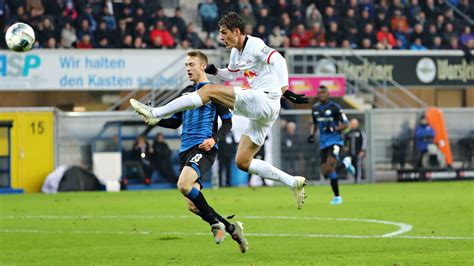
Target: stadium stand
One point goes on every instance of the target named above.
(363, 24)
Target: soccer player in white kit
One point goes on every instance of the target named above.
(267, 74)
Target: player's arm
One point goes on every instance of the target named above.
(314, 127)
(343, 121)
(279, 64)
(226, 117)
(222, 73)
(173, 122)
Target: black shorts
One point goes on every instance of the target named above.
(201, 161)
(332, 150)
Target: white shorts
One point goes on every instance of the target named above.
(260, 108)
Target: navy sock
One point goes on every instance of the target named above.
(206, 212)
(229, 228)
(334, 184)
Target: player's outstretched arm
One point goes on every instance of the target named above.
(223, 74)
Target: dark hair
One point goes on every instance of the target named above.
(198, 54)
(322, 87)
(232, 20)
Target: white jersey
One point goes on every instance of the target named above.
(254, 64)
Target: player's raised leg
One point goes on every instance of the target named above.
(220, 94)
(245, 161)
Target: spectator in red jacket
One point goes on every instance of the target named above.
(161, 32)
(385, 38)
(302, 34)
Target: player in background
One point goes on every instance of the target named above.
(267, 74)
(329, 118)
(198, 150)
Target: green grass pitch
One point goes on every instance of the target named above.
(378, 224)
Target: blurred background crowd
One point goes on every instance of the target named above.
(356, 24)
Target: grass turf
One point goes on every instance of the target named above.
(154, 227)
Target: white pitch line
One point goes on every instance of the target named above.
(403, 228)
(207, 234)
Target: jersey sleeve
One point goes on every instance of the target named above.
(223, 112)
(263, 52)
(231, 67)
(315, 114)
(341, 116)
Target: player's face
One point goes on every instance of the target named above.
(194, 68)
(228, 37)
(323, 95)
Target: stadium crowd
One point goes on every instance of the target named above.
(356, 24)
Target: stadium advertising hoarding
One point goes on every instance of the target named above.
(442, 68)
(307, 84)
(91, 69)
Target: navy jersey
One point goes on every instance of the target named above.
(327, 117)
(201, 123)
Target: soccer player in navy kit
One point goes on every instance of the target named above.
(198, 150)
(329, 118)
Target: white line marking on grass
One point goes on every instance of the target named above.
(29, 231)
(403, 228)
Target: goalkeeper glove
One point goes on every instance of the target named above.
(296, 98)
(211, 69)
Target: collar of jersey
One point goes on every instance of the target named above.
(245, 44)
(200, 84)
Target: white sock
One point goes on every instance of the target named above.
(268, 171)
(185, 102)
(347, 161)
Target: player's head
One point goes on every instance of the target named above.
(323, 93)
(231, 29)
(354, 123)
(195, 63)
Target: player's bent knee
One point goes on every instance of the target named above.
(184, 187)
(242, 163)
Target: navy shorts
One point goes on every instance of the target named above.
(332, 150)
(201, 161)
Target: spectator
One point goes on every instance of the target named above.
(364, 19)
(275, 39)
(159, 15)
(174, 31)
(226, 6)
(185, 44)
(302, 35)
(70, 11)
(349, 21)
(353, 37)
(103, 33)
(141, 16)
(419, 33)
(127, 16)
(417, 45)
(414, 9)
(431, 34)
(262, 33)
(369, 33)
(179, 22)
(279, 7)
(366, 43)
(466, 35)
(68, 36)
(248, 29)
(141, 32)
(192, 37)
(330, 16)
(209, 44)
(448, 33)
(424, 135)
(313, 16)
(355, 146)
(385, 39)
(162, 158)
(317, 32)
(127, 42)
(103, 43)
(85, 42)
(248, 17)
(87, 14)
(431, 10)
(399, 21)
(467, 7)
(334, 33)
(225, 155)
(46, 31)
(139, 44)
(209, 15)
(161, 33)
(419, 19)
(84, 29)
(454, 44)
(440, 23)
(36, 11)
(264, 19)
(109, 18)
(51, 43)
(53, 8)
(141, 153)
(245, 4)
(290, 155)
(437, 43)
(285, 24)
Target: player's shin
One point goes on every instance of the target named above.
(205, 211)
(268, 171)
(185, 102)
